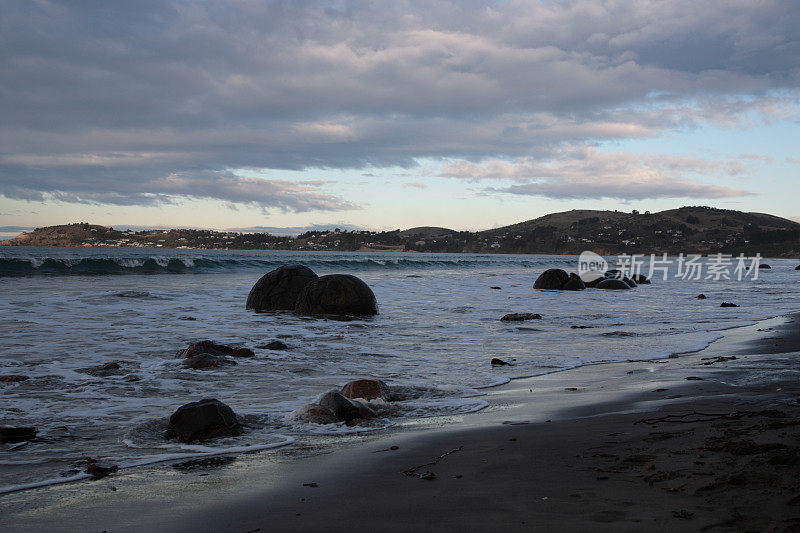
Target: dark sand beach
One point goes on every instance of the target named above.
(614, 447)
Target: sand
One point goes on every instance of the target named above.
(618, 447)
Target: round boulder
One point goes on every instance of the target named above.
(613, 284)
(574, 283)
(552, 278)
(591, 279)
(764, 266)
(278, 290)
(343, 408)
(629, 281)
(641, 279)
(337, 294)
(368, 389)
(203, 420)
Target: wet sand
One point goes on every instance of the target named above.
(616, 447)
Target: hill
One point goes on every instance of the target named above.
(703, 230)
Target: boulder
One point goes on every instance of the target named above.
(728, 304)
(552, 278)
(498, 362)
(242, 352)
(368, 389)
(203, 420)
(207, 347)
(17, 434)
(274, 345)
(764, 266)
(574, 283)
(316, 414)
(112, 368)
(591, 279)
(344, 409)
(336, 294)
(701, 297)
(204, 361)
(641, 279)
(613, 274)
(519, 317)
(629, 281)
(278, 290)
(611, 283)
(797, 267)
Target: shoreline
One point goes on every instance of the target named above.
(608, 394)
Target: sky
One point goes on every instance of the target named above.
(287, 115)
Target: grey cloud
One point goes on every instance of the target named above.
(143, 102)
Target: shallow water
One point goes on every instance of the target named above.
(72, 309)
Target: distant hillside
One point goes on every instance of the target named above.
(703, 230)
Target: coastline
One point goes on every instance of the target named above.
(542, 456)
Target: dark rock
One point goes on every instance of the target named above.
(207, 347)
(496, 288)
(278, 290)
(337, 294)
(728, 304)
(112, 368)
(499, 362)
(367, 389)
(242, 352)
(574, 283)
(797, 267)
(344, 409)
(552, 278)
(764, 266)
(99, 472)
(581, 327)
(519, 317)
(316, 414)
(203, 361)
(641, 279)
(13, 378)
(611, 283)
(613, 274)
(190, 318)
(629, 281)
(274, 345)
(591, 280)
(701, 297)
(17, 434)
(203, 420)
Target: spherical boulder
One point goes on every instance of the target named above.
(641, 279)
(612, 283)
(343, 408)
(203, 420)
(764, 266)
(368, 389)
(278, 290)
(336, 294)
(629, 281)
(574, 283)
(552, 278)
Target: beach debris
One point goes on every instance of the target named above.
(719, 359)
(205, 419)
(684, 514)
(10, 434)
(368, 389)
(520, 317)
(278, 289)
(499, 362)
(336, 294)
(412, 472)
(313, 485)
(343, 408)
(728, 304)
(697, 416)
(13, 378)
(204, 463)
(274, 345)
(701, 297)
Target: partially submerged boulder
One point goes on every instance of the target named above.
(337, 294)
(641, 279)
(278, 290)
(204, 361)
(207, 347)
(728, 304)
(206, 419)
(552, 278)
(519, 317)
(343, 408)
(629, 281)
(368, 389)
(574, 283)
(274, 345)
(613, 284)
(17, 434)
(13, 378)
(701, 297)
(208, 354)
(764, 266)
(315, 414)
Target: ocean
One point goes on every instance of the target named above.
(68, 310)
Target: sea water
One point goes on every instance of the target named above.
(64, 311)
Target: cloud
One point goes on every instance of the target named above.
(142, 102)
(583, 172)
